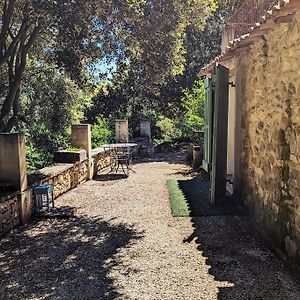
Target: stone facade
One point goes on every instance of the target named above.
(9, 213)
(270, 108)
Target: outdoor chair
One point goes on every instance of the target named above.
(124, 160)
(121, 156)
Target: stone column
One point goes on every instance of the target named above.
(81, 137)
(13, 160)
(13, 170)
(145, 129)
(122, 134)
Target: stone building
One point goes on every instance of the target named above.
(262, 107)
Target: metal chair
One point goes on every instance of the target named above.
(124, 159)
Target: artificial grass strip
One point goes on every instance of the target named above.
(178, 203)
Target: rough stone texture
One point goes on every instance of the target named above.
(69, 178)
(102, 160)
(121, 130)
(146, 150)
(145, 129)
(271, 134)
(9, 213)
(81, 137)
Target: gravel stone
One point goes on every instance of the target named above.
(123, 243)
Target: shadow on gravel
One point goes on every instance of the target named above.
(62, 259)
(169, 157)
(110, 177)
(237, 255)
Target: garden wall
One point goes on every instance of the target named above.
(270, 92)
(64, 177)
(10, 215)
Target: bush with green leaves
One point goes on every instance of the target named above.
(37, 158)
(191, 121)
(101, 132)
(193, 104)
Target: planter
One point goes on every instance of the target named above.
(70, 156)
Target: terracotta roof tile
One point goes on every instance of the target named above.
(280, 13)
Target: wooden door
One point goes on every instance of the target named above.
(220, 135)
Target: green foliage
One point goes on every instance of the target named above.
(205, 44)
(41, 143)
(100, 133)
(186, 126)
(169, 130)
(36, 158)
(193, 104)
(72, 149)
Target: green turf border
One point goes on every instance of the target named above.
(178, 203)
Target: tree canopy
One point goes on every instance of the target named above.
(150, 52)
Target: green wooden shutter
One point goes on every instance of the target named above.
(208, 122)
(220, 134)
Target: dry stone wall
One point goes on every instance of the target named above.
(68, 178)
(103, 160)
(63, 177)
(9, 213)
(270, 76)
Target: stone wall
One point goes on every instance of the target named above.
(270, 83)
(102, 160)
(9, 213)
(65, 177)
(16, 209)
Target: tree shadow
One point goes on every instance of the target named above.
(168, 157)
(63, 259)
(110, 177)
(239, 257)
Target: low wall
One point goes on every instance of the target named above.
(15, 209)
(65, 177)
(102, 159)
(10, 215)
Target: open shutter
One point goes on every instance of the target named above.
(220, 136)
(208, 122)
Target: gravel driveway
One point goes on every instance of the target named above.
(123, 243)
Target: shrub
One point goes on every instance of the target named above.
(37, 158)
(100, 133)
(193, 104)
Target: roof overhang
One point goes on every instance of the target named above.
(283, 12)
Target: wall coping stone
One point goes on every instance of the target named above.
(97, 151)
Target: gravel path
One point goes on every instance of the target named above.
(123, 243)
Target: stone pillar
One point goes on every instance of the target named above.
(145, 129)
(122, 134)
(13, 170)
(81, 137)
(13, 160)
